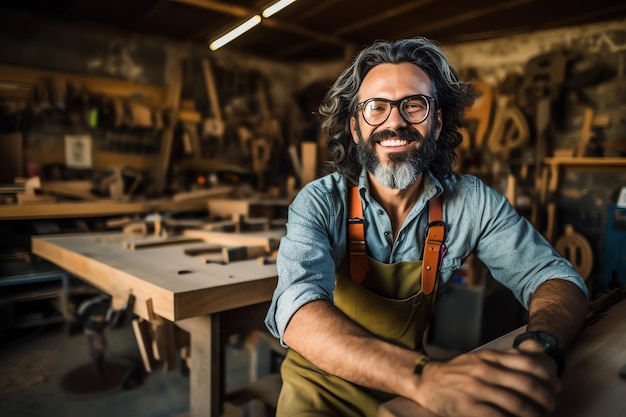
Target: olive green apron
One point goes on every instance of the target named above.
(390, 304)
(393, 301)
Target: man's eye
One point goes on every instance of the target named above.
(414, 106)
(378, 107)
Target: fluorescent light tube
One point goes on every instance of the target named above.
(245, 26)
(279, 5)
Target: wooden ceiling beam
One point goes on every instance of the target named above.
(218, 6)
(243, 12)
(360, 24)
(150, 12)
(473, 14)
(388, 14)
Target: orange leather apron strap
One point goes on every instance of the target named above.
(432, 245)
(356, 235)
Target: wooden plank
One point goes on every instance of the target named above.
(309, 162)
(235, 239)
(161, 169)
(240, 253)
(587, 161)
(585, 132)
(96, 208)
(163, 343)
(202, 250)
(55, 154)
(141, 330)
(77, 189)
(151, 93)
(204, 195)
(150, 242)
(226, 208)
(236, 253)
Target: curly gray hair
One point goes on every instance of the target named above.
(451, 94)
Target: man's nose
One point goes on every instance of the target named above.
(395, 117)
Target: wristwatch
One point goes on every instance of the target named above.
(548, 342)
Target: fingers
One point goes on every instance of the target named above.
(535, 364)
(520, 383)
(517, 394)
(491, 384)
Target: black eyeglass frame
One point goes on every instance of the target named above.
(398, 104)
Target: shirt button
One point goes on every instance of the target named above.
(380, 212)
(387, 233)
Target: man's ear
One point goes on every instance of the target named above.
(439, 123)
(355, 137)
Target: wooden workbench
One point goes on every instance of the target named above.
(200, 298)
(591, 383)
(94, 208)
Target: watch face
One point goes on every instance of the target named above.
(547, 340)
(549, 344)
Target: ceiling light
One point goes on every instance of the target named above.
(245, 26)
(279, 5)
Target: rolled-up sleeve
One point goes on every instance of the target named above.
(515, 253)
(306, 259)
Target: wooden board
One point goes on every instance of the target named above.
(154, 94)
(309, 162)
(94, 208)
(268, 241)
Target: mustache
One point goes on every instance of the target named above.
(402, 133)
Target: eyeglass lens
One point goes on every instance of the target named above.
(414, 109)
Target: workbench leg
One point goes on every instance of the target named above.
(206, 376)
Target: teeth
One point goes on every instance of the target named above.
(394, 142)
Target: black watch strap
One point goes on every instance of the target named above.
(550, 346)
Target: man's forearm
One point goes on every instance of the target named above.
(558, 307)
(330, 340)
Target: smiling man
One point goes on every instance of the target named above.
(369, 245)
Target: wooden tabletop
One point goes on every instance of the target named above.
(93, 208)
(592, 386)
(162, 278)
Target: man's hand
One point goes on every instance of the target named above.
(514, 382)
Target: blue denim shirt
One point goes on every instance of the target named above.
(478, 220)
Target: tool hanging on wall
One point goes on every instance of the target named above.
(261, 154)
(213, 127)
(542, 120)
(269, 126)
(118, 182)
(574, 247)
(510, 129)
(544, 78)
(479, 115)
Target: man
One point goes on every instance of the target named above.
(353, 309)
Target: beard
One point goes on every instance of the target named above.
(403, 168)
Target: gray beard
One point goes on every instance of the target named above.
(403, 169)
(395, 175)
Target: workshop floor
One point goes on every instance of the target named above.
(34, 365)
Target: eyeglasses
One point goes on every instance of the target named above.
(414, 109)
